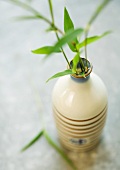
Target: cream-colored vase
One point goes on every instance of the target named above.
(80, 107)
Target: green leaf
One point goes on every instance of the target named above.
(30, 9)
(24, 6)
(26, 17)
(90, 40)
(98, 10)
(40, 134)
(68, 37)
(60, 74)
(45, 50)
(75, 60)
(60, 151)
(92, 19)
(68, 25)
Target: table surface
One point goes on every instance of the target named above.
(25, 97)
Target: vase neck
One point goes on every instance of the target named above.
(81, 79)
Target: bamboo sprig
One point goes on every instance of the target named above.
(44, 133)
(53, 22)
(92, 19)
(35, 13)
(34, 140)
(61, 152)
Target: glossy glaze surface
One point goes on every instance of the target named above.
(79, 100)
(82, 103)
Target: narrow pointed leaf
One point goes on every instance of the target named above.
(26, 17)
(92, 19)
(75, 60)
(60, 74)
(68, 25)
(45, 50)
(90, 40)
(60, 151)
(68, 37)
(40, 134)
(98, 10)
(29, 8)
(24, 6)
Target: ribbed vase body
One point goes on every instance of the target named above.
(79, 107)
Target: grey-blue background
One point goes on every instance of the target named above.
(22, 85)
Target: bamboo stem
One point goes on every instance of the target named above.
(53, 23)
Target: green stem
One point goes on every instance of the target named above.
(63, 51)
(65, 57)
(81, 62)
(52, 16)
(53, 23)
(86, 34)
(57, 29)
(51, 10)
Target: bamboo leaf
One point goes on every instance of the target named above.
(75, 61)
(92, 19)
(90, 40)
(24, 6)
(98, 10)
(60, 74)
(45, 50)
(68, 25)
(60, 151)
(26, 17)
(30, 9)
(40, 134)
(68, 37)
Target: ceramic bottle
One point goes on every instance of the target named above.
(80, 108)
